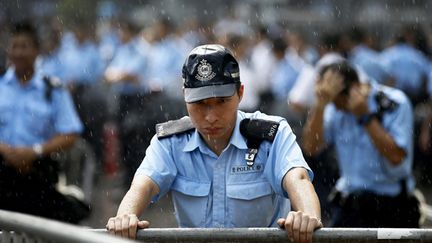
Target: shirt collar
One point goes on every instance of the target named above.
(194, 142)
(10, 77)
(237, 139)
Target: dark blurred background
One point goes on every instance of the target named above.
(312, 16)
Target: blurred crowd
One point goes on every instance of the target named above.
(124, 78)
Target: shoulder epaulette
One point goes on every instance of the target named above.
(51, 84)
(259, 129)
(255, 131)
(385, 104)
(169, 128)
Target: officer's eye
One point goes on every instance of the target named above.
(223, 100)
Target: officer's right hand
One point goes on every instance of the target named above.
(300, 226)
(126, 225)
(328, 87)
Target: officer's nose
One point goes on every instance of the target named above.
(211, 116)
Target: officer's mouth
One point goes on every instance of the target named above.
(212, 130)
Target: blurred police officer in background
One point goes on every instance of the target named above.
(225, 168)
(371, 127)
(37, 119)
(127, 73)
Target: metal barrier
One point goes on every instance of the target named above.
(17, 227)
(325, 235)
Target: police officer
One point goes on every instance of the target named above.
(225, 168)
(409, 68)
(371, 128)
(37, 119)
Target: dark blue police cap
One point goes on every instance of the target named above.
(210, 71)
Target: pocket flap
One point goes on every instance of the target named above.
(191, 188)
(249, 191)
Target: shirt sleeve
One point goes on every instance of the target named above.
(284, 155)
(328, 119)
(399, 125)
(66, 119)
(159, 165)
(385, 60)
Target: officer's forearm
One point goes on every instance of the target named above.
(313, 132)
(384, 143)
(301, 192)
(59, 143)
(142, 190)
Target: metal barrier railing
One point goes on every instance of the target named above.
(17, 228)
(324, 235)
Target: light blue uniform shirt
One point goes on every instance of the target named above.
(131, 58)
(368, 60)
(212, 191)
(28, 118)
(52, 65)
(361, 165)
(408, 66)
(82, 63)
(107, 46)
(165, 68)
(285, 75)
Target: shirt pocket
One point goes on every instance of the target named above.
(250, 205)
(190, 201)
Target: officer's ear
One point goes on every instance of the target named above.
(240, 91)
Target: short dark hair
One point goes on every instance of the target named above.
(346, 70)
(279, 45)
(357, 34)
(128, 24)
(330, 41)
(26, 28)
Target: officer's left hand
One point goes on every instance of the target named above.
(21, 158)
(300, 226)
(357, 101)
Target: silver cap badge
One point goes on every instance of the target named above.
(205, 71)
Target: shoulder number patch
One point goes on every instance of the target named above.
(174, 127)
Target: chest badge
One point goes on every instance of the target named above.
(245, 169)
(250, 156)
